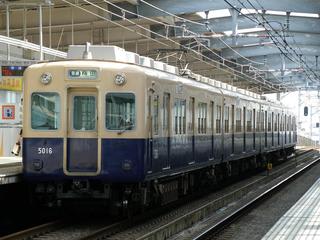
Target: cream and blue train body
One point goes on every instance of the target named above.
(123, 120)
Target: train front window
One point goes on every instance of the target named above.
(84, 113)
(120, 111)
(45, 111)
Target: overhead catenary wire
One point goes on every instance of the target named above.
(242, 75)
(196, 23)
(113, 22)
(294, 56)
(257, 70)
(224, 60)
(157, 34)
(183, 28)
(284, 40)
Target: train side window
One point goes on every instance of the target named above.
(176, 116)
(285, 123)
(211, 116)
(202, 118)
(180, 116)
(238, 119)
(262, 121)
(269, 122)
(120, 111)
(275, 125)
(289, 123)
(191, 116)
(183, 116)
(166, 108)
(45, 111)
(294, 123)
(218, 119)
(249, 120)
(254, 120)
(226, 119)
(258, 127)
(84, 113)
(155, 115)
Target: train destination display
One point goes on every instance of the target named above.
(11, 78)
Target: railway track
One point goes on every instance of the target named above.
(169, 224)
(159, 225)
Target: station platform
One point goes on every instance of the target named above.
(302, 220)
(10, 170)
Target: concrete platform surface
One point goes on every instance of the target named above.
(301, 221)
(10, 170)
(8, 160)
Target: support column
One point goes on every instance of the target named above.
(40, 33)
(234, 14)
(50, 27)
(24, 24)
(8, 30)
(72, 27)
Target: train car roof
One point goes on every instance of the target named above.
(154, 68)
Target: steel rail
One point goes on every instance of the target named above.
(186, 220)
(254, 202)
(35, 231)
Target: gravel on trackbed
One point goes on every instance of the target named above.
(258, 221)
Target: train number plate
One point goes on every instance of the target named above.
(45, 150)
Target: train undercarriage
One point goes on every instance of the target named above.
(117, 198)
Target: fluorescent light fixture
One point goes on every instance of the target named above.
(257, 44)
(246, 30)
(215, 14)
(245, 11)
(276, 12)
(299, 14)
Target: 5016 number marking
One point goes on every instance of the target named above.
(44, 150)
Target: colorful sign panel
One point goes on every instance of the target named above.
(11, 78)
(8, 112)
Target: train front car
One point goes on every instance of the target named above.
(84, 127)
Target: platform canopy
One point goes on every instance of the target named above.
(263, 46)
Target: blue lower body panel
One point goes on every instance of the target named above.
(47, 164)
(128, 160)
(82, 154)
(123, 160)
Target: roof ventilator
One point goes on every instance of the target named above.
(87, 54)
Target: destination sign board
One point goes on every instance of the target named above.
(83, 74)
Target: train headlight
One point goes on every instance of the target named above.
(37, 164)
(127, 165)
(46, 78)
(120, 79)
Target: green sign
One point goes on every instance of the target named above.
(82, 74)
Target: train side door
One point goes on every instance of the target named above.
(244, 128)
(150, 137)
(212, 130)
(254, 129)
(166, 130)
(232, 128)
(154, 140)
(191, 128)
(82, 145)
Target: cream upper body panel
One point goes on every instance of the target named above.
(139, 82)
(104, 83)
